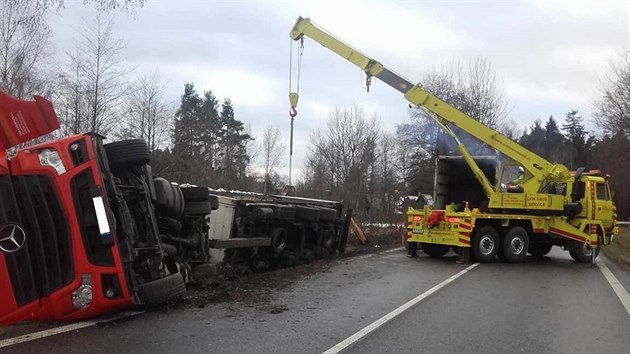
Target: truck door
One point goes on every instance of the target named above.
(603, 209)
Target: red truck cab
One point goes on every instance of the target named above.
(85, 228)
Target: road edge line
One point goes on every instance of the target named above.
(348, 342)
(616, 285)
(63, 329)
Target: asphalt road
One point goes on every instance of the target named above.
(549, 305)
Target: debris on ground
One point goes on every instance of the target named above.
(239, 284)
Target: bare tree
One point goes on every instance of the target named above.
(100, 52)
(71, 102)
(612, 109)
(147, 115)
(90, 88)
(343, 153)
(272, 149)
(24, 44)
(473, 89)
(128, 6)
(384, 180)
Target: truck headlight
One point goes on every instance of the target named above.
(50, 157)
(82, 296)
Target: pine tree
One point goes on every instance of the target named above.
(233, 146)
(535, 139)
(578, 141)
(211, 128)
(553, 141)
(187, 134)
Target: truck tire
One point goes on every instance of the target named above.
(328, 238)
(168, 197)
(195, 194)
(539, 249)
(306, 213)
(279, 239)
(126, 153)
(584, 254)
(198, 208)
(516, 244)
(485, 244)
(157, 292)
(434, 250)
(258, 263)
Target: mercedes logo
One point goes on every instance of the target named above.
(12, 238)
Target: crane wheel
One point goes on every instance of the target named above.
(584, 254)
(485, 244)
(516, 244)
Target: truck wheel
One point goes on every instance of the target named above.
(328, 238)
(195, 194)
(160, 291)
(485, 244)
(127, 153)
(278, 239)
(198, 208)
(434, 250)
(538, 249)
(516, 244)
(584, 254)
(258, 264)
(305, 213)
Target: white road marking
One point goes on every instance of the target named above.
(390, 316)
(621, 292)
(63, 329)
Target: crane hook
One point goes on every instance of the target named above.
(293, 101)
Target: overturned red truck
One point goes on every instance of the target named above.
(86, 229)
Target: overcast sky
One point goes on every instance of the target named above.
(550, 55)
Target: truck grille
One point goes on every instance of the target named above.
(44, 264)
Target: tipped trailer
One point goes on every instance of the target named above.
(267, 230)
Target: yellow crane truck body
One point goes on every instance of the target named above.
(551, 206)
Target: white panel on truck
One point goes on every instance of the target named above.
(221, 221)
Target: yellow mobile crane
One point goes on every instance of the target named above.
(550, 205)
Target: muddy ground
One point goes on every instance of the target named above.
(240, 285)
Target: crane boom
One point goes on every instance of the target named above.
(540, 169)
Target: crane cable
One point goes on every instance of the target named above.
(293, 96)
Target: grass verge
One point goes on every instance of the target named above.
(619, 249)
